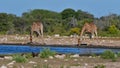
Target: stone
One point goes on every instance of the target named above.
(50, 57)
(75, 56)
(11, 63)
(60, 56)
(32, 62)
(90, 57)
(75, 59)
(3, 66)
(45, 60)
(86, 64)
(56, 35)
(1, 58)
(21, 66)
(8, 57)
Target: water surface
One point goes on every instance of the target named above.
(13, 49)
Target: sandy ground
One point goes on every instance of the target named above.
(76, 62)
(64, 40)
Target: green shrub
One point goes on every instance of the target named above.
(28, 55)
(19, 58)
(118, 54)
(75, 31)
(108, 34)
(113, 29)
(93, 55)
(46, 53)
(46, 66)
(108, 54)
(99, 66)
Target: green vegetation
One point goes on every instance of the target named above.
(93, 55)
(118, 54)
(99, 66)
(46, 66)
(113, 29)
(61, 66)
(20, 59)
(28, 55)
(36, 66)
(108, 54)
(46, 53)
(66, 22)
(75, 30)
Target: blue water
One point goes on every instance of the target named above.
(13, 49)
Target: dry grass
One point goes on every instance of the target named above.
(80, 62)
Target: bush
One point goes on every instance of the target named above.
(75, 31)
(28, 55)
(108, 34)
(118, 54)
(19, 58)
(108, 54)
(93, 55)
(46, 53)
(113, 29)
(99, 66)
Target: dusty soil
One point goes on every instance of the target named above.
(64, 40)
(78, 62)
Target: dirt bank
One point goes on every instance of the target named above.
(64, 40)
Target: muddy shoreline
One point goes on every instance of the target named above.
(64, 41)
(55, 45)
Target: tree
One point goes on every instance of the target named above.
(80, 15)
(73, 22)
(6, 22)
(20, 25)
(67, 13)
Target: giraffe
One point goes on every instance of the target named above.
(90, 28)
(38, 28)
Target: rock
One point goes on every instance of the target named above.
(1, 58)
(71, 36)
(76, 67)
(56, 35)
(45, 60)
(11, 63)
(86, 64)
(75, 59)
(8, 57)
(32, 62)
(75, 56)
(10, 66)
(60, 56)
(3, 66)
(21, 66)
(90, 57)
(50, 57)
